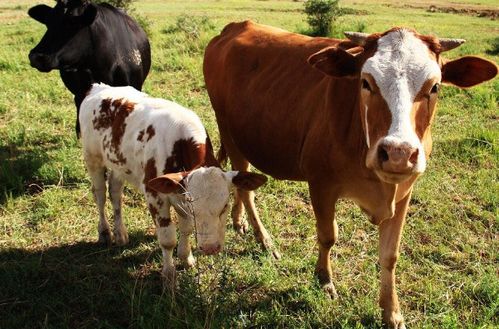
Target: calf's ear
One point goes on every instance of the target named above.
(335, 62)
(468, 71)
(40, 13)
(247, 180)
(169, 183)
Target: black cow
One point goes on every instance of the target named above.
(90, 43)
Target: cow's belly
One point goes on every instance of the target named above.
(268, 150)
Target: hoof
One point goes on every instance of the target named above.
(241, 228)
(189, 262)
(121, 239)
(330, 290)
(393, 321)
(106, 238)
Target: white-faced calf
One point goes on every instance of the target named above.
(163, 150)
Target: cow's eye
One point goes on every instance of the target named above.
(365, 85)
(435, 88)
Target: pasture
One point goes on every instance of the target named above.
(54, 275)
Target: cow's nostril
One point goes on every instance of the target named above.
(414, 156)
(382, 154)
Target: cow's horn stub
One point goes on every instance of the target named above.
(358, 38)
(448, 44)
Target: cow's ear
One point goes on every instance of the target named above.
(335, 62)
(169, 183)
(247, 180)
(88, 15)
(468, 71)
(40, 13)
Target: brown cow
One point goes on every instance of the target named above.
(350, 117)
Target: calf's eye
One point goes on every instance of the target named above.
(365, 85)
(435, 88)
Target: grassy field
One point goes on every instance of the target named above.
(54, 275)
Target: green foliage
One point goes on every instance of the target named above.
(494, 47)
(321, 14)
(190, 26)
(125, 4)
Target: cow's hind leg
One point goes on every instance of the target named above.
(98, 177)
(390, 232)
(246, 198)
(323, 201)
(115, 193)
(227, 145)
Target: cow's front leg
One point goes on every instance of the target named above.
(390, 232)
(184, 250)
(166, 232)
(323, 201)
(115, 193)
(261, 234)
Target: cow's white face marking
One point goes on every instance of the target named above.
(208, 197)
(400, 66)
(368, 142)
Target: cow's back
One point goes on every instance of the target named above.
(266, 94)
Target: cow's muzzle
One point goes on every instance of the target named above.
(41, 62)
(394, 162)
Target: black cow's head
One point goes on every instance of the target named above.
(67, 41)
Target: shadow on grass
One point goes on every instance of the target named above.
(70, 286)
(17, 168)
(85, 285)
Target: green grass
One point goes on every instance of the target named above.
(53, 275)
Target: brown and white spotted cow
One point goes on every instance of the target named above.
(163, 150)
(350, 117)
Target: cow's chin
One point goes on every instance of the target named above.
(394, 178)
(42, 68)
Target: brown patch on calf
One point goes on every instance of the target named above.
(150, 172)
(154, 212)
(186, 155)
(164, 221)
(140, 137)
(114, 119)
(150, 132)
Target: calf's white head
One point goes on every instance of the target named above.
(399, 74)
(204, 196)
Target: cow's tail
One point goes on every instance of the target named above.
(222, 155)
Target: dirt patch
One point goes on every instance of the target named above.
(488, 13)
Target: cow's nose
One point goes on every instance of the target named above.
(397, 157)
(34, 58)
(211, 249)
(39, 61)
